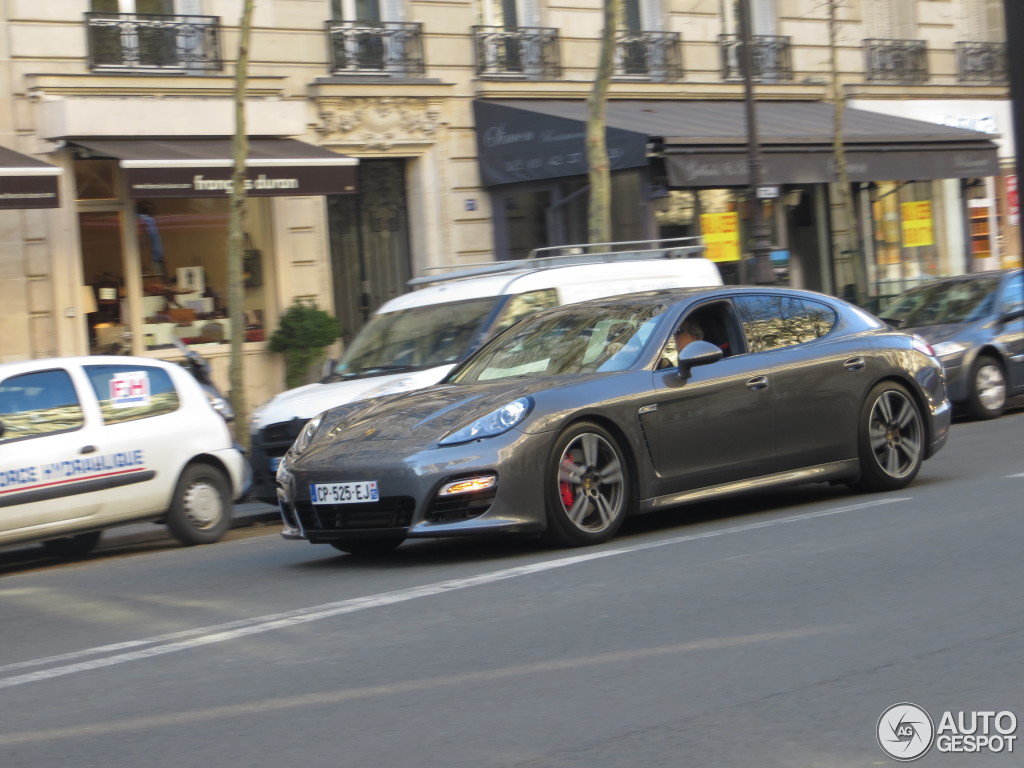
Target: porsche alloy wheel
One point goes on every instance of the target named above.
(587, 487)
(891, 439)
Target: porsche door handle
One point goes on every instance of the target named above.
(757, 383)
(854, 364)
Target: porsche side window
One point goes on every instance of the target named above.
(523, 304)
(775, 322)
(130, 392)
(40, 403)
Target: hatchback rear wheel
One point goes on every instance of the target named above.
(201, 509)
(587, 487)
(891, 439)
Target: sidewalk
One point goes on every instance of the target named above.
(246, 513)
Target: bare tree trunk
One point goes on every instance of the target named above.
(599, 227)
(236, 232)
(844, 237)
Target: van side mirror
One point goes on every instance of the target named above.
(697, 353)
(327, 368)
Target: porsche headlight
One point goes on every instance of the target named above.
(494, 423)
(306, 435)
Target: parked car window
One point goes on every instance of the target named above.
(130, 392)
(949, 301)
(1013, 296)
(40, 403)
(775, 322)
(523, 304)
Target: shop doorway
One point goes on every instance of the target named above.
(369, 237)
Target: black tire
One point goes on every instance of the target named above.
(200, 512)
(586, 487)
(890, 439)
(71, 547)
(377, 545)
(986, 393)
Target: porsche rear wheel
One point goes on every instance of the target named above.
(891, 439)
(587, 487)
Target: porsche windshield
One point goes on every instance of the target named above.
(956, 301)
(572, 341)
(422, 337)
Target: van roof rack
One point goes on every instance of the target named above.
(568, 255)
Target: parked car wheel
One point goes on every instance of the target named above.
(201, 509)
(986, 398)
(72, 546)
(375, 546)
(891, 439)
(587, 487)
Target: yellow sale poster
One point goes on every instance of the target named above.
(917, 223)
(721, 232)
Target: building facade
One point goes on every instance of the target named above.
(383, 145)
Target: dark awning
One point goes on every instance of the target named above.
(203, 167)
(26, 182)
(704, 143)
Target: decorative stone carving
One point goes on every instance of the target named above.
(378, 124)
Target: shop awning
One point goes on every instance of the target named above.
(704, 143)
(157, 168)
(26, 182)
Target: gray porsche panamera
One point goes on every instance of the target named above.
(578, 416)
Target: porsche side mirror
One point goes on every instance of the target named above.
(697, 353)
(1013, 314)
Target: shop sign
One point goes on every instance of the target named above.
(260, 181)
(916, 218)
(721, 233)
(1012, 201)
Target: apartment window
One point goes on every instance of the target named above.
(891, 19)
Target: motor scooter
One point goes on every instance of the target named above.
(199, 367)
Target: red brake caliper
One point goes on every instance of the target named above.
(563, 487)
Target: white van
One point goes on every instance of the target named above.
(415, 339)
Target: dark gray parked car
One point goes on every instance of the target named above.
(578, 416)
(976, 325)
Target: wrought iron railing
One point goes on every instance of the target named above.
(982, 63)
(648, 55)
(896, 61)
(769, 55)
(136, 41)
(527, 52)
(389, 47)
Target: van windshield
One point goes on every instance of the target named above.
(421, 337)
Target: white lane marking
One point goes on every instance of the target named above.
(195, 638)
(1019, 474)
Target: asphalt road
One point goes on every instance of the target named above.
(767, 631)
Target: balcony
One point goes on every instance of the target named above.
(650, 56)
(153, 42)
(896, 61)
(769, 54)
(393, 48)
(529, 53)
(983, 63)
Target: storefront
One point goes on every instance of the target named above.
(681, 168)
(152, 218)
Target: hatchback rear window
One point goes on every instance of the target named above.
(130, 392)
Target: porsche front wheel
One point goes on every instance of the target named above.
(587, 487)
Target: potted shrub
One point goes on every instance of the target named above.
(304, 332)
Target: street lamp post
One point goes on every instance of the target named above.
(761, 246)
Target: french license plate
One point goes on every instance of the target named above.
(344, 493)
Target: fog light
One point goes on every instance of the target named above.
(468, 485)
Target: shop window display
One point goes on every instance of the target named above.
(180, 282)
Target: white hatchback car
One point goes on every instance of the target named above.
(88, 443)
